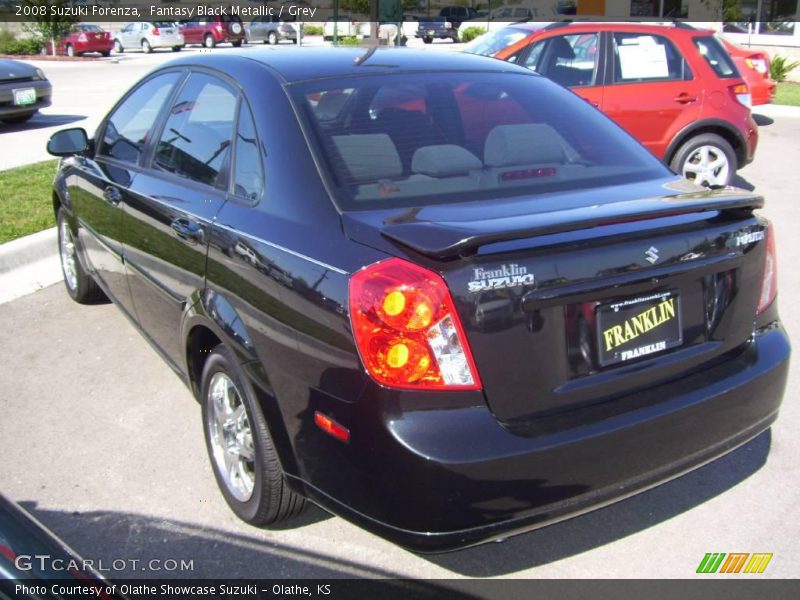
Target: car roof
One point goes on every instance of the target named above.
(293, 64)
(644, 26)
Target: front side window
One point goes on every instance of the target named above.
(491, 43)
(431, 138)
(644, 57)
(131, 123)
(570, 60)
(196, 139)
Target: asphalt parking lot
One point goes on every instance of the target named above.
(103, 444)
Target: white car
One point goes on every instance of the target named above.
(149, 36)
(344, 27)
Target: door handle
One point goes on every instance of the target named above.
(685, 98)
(188, 230)
(112, 195)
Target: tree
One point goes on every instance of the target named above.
(50, 26)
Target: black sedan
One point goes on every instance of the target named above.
(24, 89)
(436, 294)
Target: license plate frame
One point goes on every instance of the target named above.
(24, 96)
(648, 325)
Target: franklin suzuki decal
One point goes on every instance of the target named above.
(504, 276)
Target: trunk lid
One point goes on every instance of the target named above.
(575, 298)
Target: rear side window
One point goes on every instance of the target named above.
(644, 57)
(429, 138)
(196, 139)
(131, 123)
(248, 175)
(716, 56)
(570, 60)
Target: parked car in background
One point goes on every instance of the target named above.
(210, 31)
(24, 89)
(672, 86)
(754, 67)
(458, 14)
(83, 38)
(501, 17)
(148, 36)
(270, 30)
(343, 27)
(469, 306)
(436, 28)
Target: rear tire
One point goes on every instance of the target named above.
(427, 40)
(106, 53)
(706, 159)
(237, 44)
(81, 286)
(241, 451)
(146, 47)
(272, 39)
(118, 47)
(70, 50)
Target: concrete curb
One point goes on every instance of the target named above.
(777, 110)
(28, 249)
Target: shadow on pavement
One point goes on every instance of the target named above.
(612, 523)
(741, 182)
(41, 121)
(762, 120)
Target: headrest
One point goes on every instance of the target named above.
(561, 48)
(532, 143)
(369, 156)
(444, 160)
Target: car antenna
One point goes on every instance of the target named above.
(366, 56)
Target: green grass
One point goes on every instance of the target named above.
(26, 204)
(788, 93)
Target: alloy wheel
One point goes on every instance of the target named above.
(68, 257)
(707, 165)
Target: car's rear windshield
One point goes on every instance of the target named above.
(164, 24)
(716, 56)
(88, 28)
(426, 138)
(492, 43)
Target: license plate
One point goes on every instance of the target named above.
(24, 97)
(431, 31)
(638, 327)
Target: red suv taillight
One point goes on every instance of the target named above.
(407, 330)
(741, 92)
(769, 281)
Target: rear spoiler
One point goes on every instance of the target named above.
(449, 239)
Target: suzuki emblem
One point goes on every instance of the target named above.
(651, 255)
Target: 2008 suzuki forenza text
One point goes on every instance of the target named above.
(436, 294)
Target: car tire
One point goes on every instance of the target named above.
(237, 44)
(209, 41)
(706, 159)
(427, 40)
(105, 53)
(272, 39)
(177, 48)
(118, 47)
(18, 119)
(146, 47)
(255, 488)
(81, 286)
(294, 41)
(70, 50)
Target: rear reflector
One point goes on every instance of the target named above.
(407, 330)
(769, 281)
(331, 427)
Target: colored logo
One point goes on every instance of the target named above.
(735, 562)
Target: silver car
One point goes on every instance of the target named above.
(270, 30)
(148, 36)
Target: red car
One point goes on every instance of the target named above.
(83, 38)
(210, 31)
(673, 87)
(754, 67)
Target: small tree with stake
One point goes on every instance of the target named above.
(50, 26)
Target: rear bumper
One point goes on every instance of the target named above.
(438, 479)
(44, 92)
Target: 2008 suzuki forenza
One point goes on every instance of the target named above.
(436, 294)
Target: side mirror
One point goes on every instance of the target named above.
(68, 142)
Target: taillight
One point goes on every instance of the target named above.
(407, 330)
(156, 31)
(220, 27)
(769, 281)
(757, 63)
(82, 38)
(742, 94)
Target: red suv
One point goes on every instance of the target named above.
(673, 87)
(210, 31)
